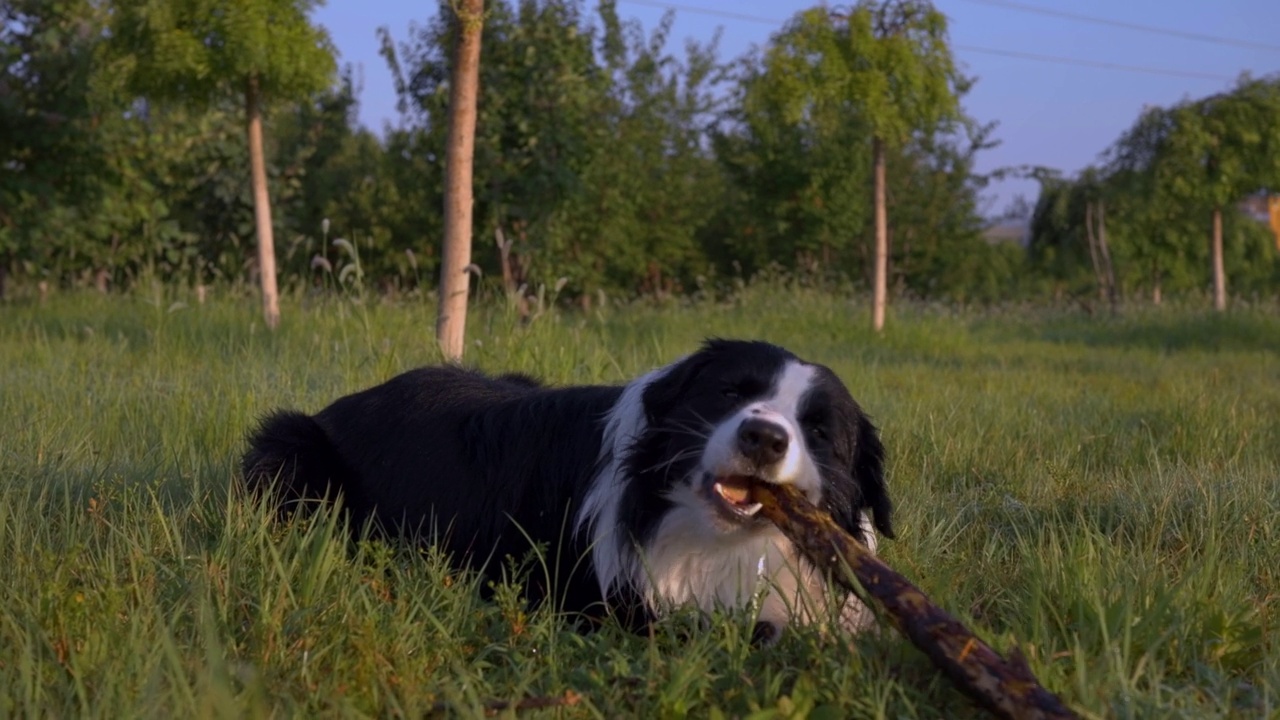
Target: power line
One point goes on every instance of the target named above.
(1137, 27)
(1100, 64)
(707, 11)
(1054, 59)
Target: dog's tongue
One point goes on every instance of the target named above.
(734, 488)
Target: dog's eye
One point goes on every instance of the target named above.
(816, 432)
(742, 388)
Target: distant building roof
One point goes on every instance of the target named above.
(1006, 232)
(1255, 206)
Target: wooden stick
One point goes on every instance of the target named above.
(1005, 687)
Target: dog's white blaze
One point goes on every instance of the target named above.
(796, 467)
(599, 512)
(782, 408)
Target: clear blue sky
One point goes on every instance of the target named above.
(1051, 114)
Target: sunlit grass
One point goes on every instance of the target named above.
(1106, 491)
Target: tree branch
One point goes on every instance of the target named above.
(1005, 687)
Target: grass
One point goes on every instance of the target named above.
(1103, 491)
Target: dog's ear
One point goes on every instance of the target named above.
(668, 389)
(868, 472)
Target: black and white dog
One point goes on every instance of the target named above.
(636, 493)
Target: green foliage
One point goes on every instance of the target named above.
(1116, 475)
(796, 148)
(1057, 230)
(897, 67)
(1161, 181)
(886, 63)
(1224, 147)
(200, 51)
(1206, 155)
(611, 163)
(49, 162)
(370, 191)
(801, 178)
(937, 249)
(1162, 236)
(588, 152)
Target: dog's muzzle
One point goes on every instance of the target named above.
(754, 451)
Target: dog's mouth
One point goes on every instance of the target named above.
(733, 494)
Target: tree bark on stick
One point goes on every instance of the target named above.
(880, 278)
(455, 280)
(1007, 688)
(1219, 273)
(261, 205)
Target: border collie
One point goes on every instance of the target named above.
(636, 494)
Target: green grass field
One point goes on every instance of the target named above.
(1105, 492)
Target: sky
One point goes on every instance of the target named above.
(1055, 114)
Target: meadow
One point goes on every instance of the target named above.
(1102, 491)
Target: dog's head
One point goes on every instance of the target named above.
(737, 412)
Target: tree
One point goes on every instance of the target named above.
(51, 160)
(455, 278)
(937, 244)
(794, 155)
(1152, 222)
(794, 148)
(589, 152)
(646, 192)
(198, 51)
(1095, 231)
(889, 65)
(1057, 232)
(905, 80)
(1219, 150)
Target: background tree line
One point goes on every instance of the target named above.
(604, 163)
(1161, 211)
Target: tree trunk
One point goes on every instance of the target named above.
(1219, 274)
(1104, 253)
(1091, 239)
(451, 321)
(1156, 295)
(261, 206)
(880, 275)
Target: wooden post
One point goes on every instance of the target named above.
(1219, 273)
(261, 206)
(880, 278)
(455, 279)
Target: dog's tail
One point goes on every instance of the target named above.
(292, 460)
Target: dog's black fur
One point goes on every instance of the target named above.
(598, 475)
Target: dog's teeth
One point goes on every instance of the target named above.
(752, 509)
(719, 490)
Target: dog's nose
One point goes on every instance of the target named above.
(762, 441)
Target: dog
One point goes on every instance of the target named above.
(636, 495)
